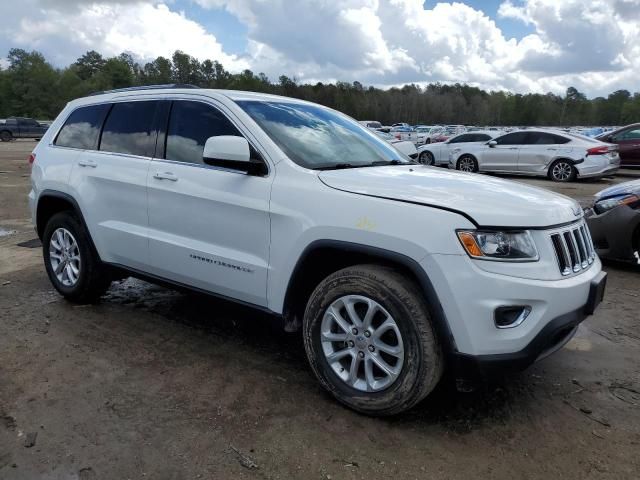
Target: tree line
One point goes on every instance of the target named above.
(30, 86)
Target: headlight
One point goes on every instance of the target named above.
(608, 203)
(500, 246)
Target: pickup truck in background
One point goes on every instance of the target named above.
(20, 127)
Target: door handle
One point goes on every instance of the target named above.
(87, 163)
(165, 176)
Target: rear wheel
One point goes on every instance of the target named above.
(562, 171)
(466, 163)
(6, 136)
(426, 158)
(369, 340)
(70, 260)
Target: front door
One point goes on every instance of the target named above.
(629, 146)
(504, 155)
(208, 226)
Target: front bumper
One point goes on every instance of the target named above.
(612, 232)
(470, 295)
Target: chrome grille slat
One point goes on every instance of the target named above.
(573, 248)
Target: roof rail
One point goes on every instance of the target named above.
(145, 87)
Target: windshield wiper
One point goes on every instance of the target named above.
(339, 166)
(382, 163)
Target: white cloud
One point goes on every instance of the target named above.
(64, 30)
(593, 45)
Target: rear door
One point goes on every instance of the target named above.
(629, 146)
(538, 150)
(209, 226)
(504, 155)
(111, 179)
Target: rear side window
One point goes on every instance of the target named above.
(481, 137)
(190, 125)
(82, 128)
(541, 138)
(128, 129)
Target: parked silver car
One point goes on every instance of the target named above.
(438, 153)
(561, 156)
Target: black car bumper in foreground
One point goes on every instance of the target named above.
(614, 231)
(551, 338)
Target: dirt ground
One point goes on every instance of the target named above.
(150, 383)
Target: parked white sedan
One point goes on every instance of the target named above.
(438, 153)
(561, 156)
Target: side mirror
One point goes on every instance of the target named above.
(232, 152)
(492, 143)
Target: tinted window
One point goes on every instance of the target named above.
(629, 135)
(128, 129)
(481, 137)
(515, 138)
(190, 125)
(467, 137)
(542, 138)
(82, 128)
(29, 122)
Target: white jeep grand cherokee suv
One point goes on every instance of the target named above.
(394, 270)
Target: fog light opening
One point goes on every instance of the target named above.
(511, 316)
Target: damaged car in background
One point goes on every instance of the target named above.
(614, 221)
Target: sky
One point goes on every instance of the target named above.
(517, 45)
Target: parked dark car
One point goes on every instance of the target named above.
(20, 127)
(628, 140)
(614, 221)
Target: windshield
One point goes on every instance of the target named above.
(319, 138)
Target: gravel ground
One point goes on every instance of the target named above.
(150, 383)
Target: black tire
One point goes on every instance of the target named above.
(426, 158)
(93, 278)
(467, 159)
(423, 360)
(6, 136)
(562, 171)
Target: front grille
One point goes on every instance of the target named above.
(574, 249)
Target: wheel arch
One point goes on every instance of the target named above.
(323, 257)
(51, 202)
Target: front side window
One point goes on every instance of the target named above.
(629, 135)
(128, 129)
(318, 138)
(515, 138)
(190, 125)
(82, 128)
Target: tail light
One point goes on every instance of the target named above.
(599, 150)
(32, 159)
(398, 136)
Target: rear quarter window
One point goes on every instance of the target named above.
(82, 128)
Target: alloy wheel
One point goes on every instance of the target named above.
(362, 343)
(466, 164)
(64, 256)
(561, 171)
(426, 158)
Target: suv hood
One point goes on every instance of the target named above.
(488, 201)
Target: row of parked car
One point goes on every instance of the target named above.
(560, 155)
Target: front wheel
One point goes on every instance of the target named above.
(562, 171)
(70, 260)
(6, 136)
(467, 163)
(369, 340)
(426, 158)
